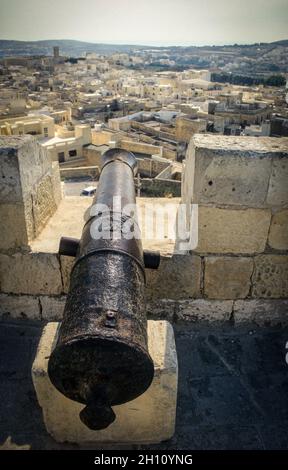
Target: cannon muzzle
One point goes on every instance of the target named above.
(101, 357)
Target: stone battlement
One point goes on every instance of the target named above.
(239, 270)
(30, 191)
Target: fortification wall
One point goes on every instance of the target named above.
(80, 171)
(237, 273)
(241, 188)
(140, 147)
(186, 128)
(152, 131)
(30, 191)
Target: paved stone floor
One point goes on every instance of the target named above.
(233, 389)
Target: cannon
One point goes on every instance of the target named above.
(101, 357)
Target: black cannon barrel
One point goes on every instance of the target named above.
(101, 357)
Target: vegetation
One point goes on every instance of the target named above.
(272, 80)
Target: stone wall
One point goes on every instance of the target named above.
(169, 153)
(150, 167)
(80, 171)
(158, 187)
(30, 191)
(140, 147)
(241, 187)
(103, 136)
(237, 273)
(73, 163)
(186, 128)
(93, 154)
(152, 131)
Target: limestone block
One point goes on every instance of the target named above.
(43, 203)
(227, 277)
(56, 183)
(177, 277)
(19, 306)
(230, 178)
(31, 273)
(10, 190)
(13, 227)
(149, 418)
(237, 180)
(66, 264)
(278, 234)
(34, 163)
(133, 146)
(270, 277)
(52, 308)
(235, 170)
(28, 182)
(29, 217)
(23, 163)
(204, 310)
(232, 230)
(186, 128)
(263, 312)
(278, 185)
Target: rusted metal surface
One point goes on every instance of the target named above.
(101, 357)
(69, 246)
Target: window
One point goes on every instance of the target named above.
(45, 131)
(72, 153)
(61, 157)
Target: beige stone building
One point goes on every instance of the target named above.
(68, 144)
(244, 113)
(61, 141)
(185, 128)
(40, 126)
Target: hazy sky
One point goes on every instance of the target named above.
(146, 22)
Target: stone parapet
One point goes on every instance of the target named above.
(278, 234)
(178, 277)
(240, 185)
(263, 312)
(30, 191)
(227, 277)
(241, 255)
(238, 231)
(30, 273)
(80, 172)
(236, 171)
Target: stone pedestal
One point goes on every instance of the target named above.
(149, 418)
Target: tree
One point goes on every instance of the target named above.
(276, 80)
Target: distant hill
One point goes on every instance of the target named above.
(73, 48)
(284, 43)
(68, 47)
